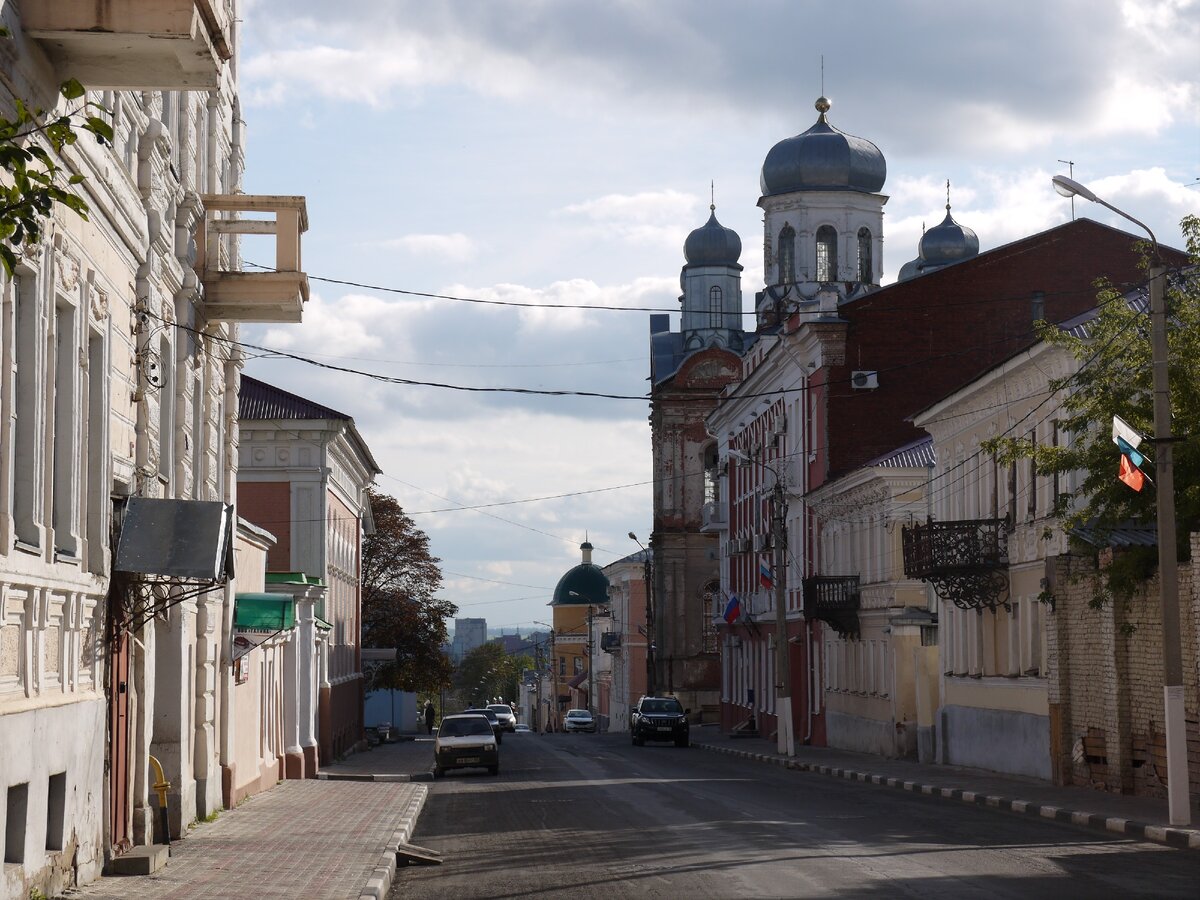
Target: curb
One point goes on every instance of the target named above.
(339, 776)
(380, 882)
(1181, 838)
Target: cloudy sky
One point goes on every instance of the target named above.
(558, 152)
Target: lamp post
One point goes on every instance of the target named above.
(647, 574)
(1168, 576)
(784, 733)
(590, 679)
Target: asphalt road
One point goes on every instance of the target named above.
(590, 816)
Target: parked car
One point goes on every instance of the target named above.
(505, 714)
(579, 720)
(492, 718)
(465, 741)
(659, 719)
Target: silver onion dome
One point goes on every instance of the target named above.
(823, 159)
(712, 244)
(948, 242)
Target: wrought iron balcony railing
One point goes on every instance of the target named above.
(965, 560)
(835, 600)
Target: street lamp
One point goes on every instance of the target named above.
(1168, 577)
(551, 707)
(647, 575)
(784, 734)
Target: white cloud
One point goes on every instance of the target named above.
(456, 247)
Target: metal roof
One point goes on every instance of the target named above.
(259, 400)
(917, 455)
(1126, 535)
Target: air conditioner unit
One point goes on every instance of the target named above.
(780, 428)
(762, 543)
(864, 381)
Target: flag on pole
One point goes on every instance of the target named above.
(1135, 456)
(765, 578)
(733, 609)
(1123, 432)
(1131, 474)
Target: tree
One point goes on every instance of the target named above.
(487, 672)
(34, 184)
(399, 581)
(1115, 378)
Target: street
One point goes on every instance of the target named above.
(596, 817)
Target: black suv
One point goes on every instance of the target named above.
(659, 719)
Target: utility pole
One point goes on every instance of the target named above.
(786, 740)
(591, 681)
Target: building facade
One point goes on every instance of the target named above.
(304, 475)
(625, 637)
(119, 384)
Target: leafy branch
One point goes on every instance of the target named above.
(35, 180)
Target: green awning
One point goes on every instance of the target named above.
(263, 612)
(293, 578)
(321, 623)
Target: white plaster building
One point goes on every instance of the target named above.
(119, 384)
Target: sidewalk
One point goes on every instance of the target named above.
(316, 839)
(408, 759)
(1142, 818)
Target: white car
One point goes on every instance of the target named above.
(522, 728)
(463, 742)
(579, 720)
(505, 714)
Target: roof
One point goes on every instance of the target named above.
(259, 400)
(1127, 534)
(577, 680)
(917, 455)
(293, 578)
(263, 612)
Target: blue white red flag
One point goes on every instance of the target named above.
(733, 609)
(765, 578)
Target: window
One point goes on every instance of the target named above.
(26, 442)
(866, 272)
(64, 470)
(708, 631)
(562, 665)
(577, 665)
(787, 255)
(827, 261)
(714, 307)
(712, 475)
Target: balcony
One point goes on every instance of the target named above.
(834, 600)
(966, 561)
(267, 296)
(714, 517)
(134, 44)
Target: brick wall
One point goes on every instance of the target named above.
(1105, 679)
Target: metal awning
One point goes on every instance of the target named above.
(577, 680)
(187, 539)
(263, 612)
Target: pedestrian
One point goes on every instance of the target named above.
(429, 717)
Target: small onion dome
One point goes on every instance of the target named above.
(712, 244)
(948, 243)
(823, 159)
(910, 269)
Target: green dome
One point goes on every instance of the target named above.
(584, 585)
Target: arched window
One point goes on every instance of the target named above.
(787, 255)
(865, 269)
(827, 261)
(714, 307)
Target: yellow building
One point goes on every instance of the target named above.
(581, 593)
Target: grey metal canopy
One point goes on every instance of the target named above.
(188, 539)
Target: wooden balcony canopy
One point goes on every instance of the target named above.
(134, 44)
(255, 296)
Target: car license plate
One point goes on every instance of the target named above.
(664, 727)
(463, 760)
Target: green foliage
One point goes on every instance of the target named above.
(399, 580)
(1115, 378)
(487, 672)
(29, 143)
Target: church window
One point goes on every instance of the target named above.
(787, 255)
(708, 611)
(827, 261)
(712, 475)
(865, 268)
(714, 307)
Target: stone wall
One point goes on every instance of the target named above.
(1105, 679)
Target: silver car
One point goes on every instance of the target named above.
(579, 720)
(505, 714)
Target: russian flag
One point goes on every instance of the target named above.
(764, 574)
(733, 609)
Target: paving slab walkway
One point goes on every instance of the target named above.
(314, 839)
(1144, 818)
